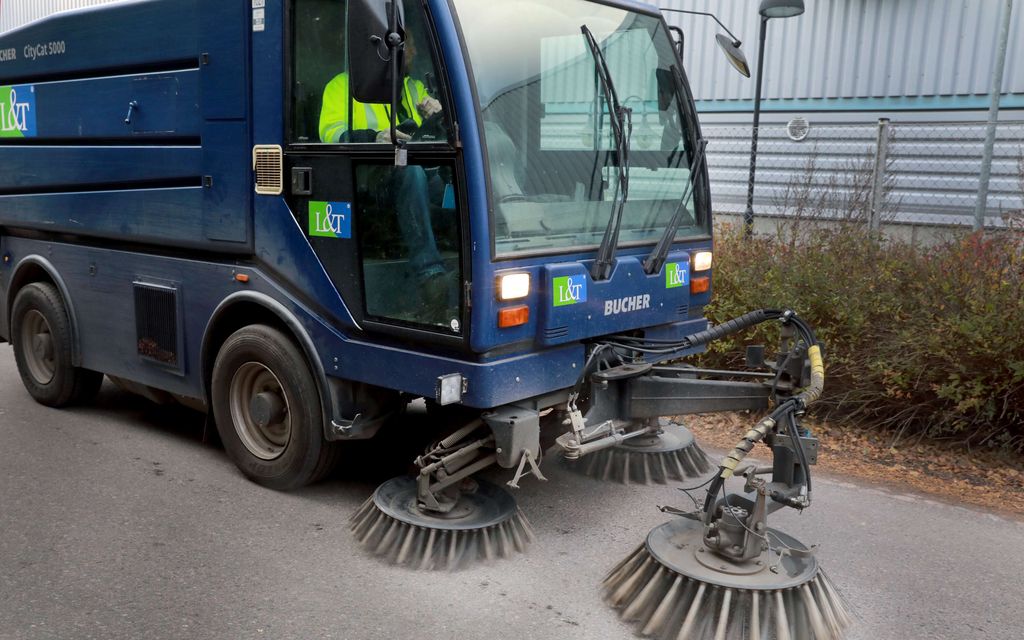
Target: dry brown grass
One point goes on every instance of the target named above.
(978, 478)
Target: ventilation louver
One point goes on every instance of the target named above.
(156, 323)
(268, 163)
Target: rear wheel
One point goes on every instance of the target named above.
(268, 411)
(41, 333)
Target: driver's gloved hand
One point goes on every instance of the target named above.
(384, 136)
(428, 106)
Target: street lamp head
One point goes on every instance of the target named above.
(733, 54)
(781, 8)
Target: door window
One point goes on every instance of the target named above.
(323, 109)
(388, 236)
(409, 243)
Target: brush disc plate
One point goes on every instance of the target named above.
(677, 545)
(670, 595)
(485, 524)
(488, 506)
(673, 437)
(658, 458)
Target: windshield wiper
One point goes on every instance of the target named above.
(656, 259)
(622, 127)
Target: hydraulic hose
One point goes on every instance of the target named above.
(730, 327)
(665, 349)
(813, 391)
(745, 446)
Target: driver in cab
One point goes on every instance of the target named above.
(372, 122)
(406, 190)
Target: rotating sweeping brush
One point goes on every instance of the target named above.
(484, 524)
(673, 587)
(660, 457)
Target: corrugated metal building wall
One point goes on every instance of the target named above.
(15, 13)
(924, 64)
(877, 55)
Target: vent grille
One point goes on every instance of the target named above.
(268, 163)
(556, 332)
(684, 310)
(156, 323)
(798, 128)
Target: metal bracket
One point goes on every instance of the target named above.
(521, 471)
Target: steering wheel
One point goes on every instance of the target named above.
(432, 128)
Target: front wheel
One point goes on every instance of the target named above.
(268, 412)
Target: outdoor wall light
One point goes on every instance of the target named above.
(781, 8)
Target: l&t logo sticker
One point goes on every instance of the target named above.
(330, 219)
(677, 274)
(569, 290)
(18, 112)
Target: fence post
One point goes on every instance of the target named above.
(993, 118)
(878, 175)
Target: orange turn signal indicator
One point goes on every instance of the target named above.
(700, 285)
(513, 316)
(242, 277)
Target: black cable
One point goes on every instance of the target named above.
(799, 445)
(687, 490)
(776, 415)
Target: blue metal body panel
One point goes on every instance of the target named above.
(482, 322)
(41, 167)
(98, 285)
(168, 106)
(137, 34)
(106, 205)
(140, 215)
(123, 78)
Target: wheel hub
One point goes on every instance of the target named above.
(40, 354)
(268, 408)
(259, 411)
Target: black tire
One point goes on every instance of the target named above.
(51, 379)
(291, 451)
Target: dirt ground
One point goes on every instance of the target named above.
(979, 478)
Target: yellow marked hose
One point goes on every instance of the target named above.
(745, 446)
(813, 392)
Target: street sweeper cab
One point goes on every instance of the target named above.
(298, 215)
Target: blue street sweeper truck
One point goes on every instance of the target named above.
(299, 215)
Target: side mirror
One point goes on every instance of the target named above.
(733, 53)
(371, 44)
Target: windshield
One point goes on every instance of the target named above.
(547, 127)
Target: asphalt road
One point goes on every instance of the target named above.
(118, 521)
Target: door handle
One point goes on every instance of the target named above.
(132, 106)
(302, 181)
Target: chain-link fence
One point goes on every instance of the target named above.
(882, 174)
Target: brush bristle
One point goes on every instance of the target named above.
(428, 548)
(632, 466)
(667, 605)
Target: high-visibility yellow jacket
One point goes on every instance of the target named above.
(334, 114)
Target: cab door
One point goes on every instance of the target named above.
(390, 237)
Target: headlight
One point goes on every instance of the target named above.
(702, 261)
(513, 286)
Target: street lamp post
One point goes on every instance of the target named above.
(769, 9)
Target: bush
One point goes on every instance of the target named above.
(918, 340)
